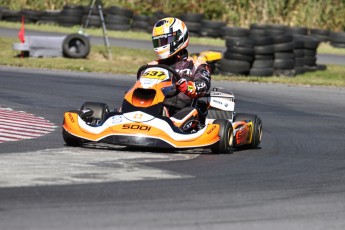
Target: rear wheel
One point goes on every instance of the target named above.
(257, 128)
(224, 145)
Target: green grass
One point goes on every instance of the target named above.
(333, 76)
(127, 61)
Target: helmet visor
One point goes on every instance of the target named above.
(164, 39)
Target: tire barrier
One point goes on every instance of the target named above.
(337, 39)
(193, 22)
(118, 18)
(140, 22)
(70, 15)
(272, 50)
(211, 28)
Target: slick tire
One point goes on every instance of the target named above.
(71, 140)
(76, 46)
(257, 128)
(224, 145)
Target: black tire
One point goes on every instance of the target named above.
(212, 24)
(263, 41)
(310, 61)
(192, 17)
(120, 11)
(261, 72)
(298, 52)
(211, 32)
(299, 62)
(337, 37)
(297, 30)
(264, 50)
(239, 42)
(283, 55)
(99, 109)
(264, 57)
(309, 53)
(140, 25)
(338, 44)
(235, 31)
(262, 64)
(284, 63)
(241, 50)
(66, 19)
(76, 46)
(285, 38)
(235, 67)
(283, 47)
(141, 17)
(257, 125)
(94, 20)
(193, 26)
(71, 140)
(224, 145)
(116, 19)
(238, 57)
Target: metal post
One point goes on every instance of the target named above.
(101, 15)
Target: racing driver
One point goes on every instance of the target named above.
(170, 39)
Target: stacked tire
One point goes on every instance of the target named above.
(284, 59)
(49, 17)
(212, 28)
(118, 18)
(238, 57)
(92, 20)
(337, 39)
(321, 35)
(70, 15)
(140, 22)
(11, 15)
(264, 56)
(154, 19)
(234, 33)
(193, 22)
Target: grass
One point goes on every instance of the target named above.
(127, 61)
(333, 76)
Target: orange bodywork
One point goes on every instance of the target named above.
(207, 138)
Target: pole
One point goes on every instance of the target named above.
(104, 28)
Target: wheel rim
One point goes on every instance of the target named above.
(231, 138)
(260, 133)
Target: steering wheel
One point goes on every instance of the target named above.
(166, 67)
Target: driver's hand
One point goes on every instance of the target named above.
(182, 85)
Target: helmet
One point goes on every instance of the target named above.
(169, 36)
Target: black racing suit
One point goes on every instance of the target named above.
(192, 70)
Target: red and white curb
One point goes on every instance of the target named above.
(19, 125)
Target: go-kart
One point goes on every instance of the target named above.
(143, 120)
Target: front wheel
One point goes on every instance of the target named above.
(225, 143)
(71, 140)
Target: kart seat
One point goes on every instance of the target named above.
(186, 118)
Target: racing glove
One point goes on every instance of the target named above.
(190, 88)
(182, 85)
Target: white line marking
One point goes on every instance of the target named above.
(68, 166)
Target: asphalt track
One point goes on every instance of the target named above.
(296, 180)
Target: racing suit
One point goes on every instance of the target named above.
(198, 78)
